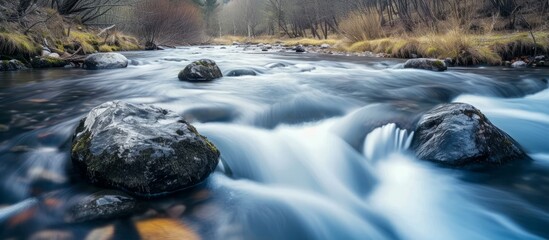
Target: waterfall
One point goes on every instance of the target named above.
(386, 140)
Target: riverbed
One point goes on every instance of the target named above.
(312, 147)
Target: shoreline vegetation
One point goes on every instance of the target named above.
(51, 33)
(464, 49)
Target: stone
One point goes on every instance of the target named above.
(519, 64)
(426, 64)
(144, 150)
(48, 62)
(105, 61)
(201, 70)
(241, 72)
(11, 65)
(458, 134)
(106, 204)
(300, 49)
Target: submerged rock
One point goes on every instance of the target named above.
(458, 134)
(241, 72)
(145, 150)
(11, 65)
(201, 70)
(105, 61)
(426, 64)
(106, 204)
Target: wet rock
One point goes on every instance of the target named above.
(241, 72)
(145, 150)
(105, 61)
(48, 62)
(105, 204)
(276, 65)
(426, 64)
(300, 49)
(4, 128)
(11, 65)
(519, 64)
(449, 62)
(458, 134)
(201, 70)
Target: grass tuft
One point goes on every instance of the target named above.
(17, 44)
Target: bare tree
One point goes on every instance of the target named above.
(163, 22)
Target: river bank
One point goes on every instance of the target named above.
(43, 38)
(464, 49)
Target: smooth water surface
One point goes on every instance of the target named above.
(313, 147)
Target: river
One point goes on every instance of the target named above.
(313, 147)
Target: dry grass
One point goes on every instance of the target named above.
(360, 26)
(465, 49)
(228, 40)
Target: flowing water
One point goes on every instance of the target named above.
(313, 147)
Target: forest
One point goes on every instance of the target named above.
(490, 30)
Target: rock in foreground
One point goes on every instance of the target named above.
(201, 70)
(105, 61)
(426, 64)
(144, 150)
(458, 134)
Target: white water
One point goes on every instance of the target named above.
(313, 150)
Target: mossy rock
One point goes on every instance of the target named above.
(144, 150)
(11, 65)
(426, 64)
(48, 62)
(201, 70)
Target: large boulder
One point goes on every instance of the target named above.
(299, 49)
(201, 70)
(458, 134)
(426, 64)
(105, 61)
(11, 65)
(144, 150)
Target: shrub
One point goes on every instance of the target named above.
(359, 26)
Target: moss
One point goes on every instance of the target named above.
(438, 64)
(47, 62)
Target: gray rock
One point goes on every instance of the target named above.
(54, 55)
(519, 64)
(105, 61)
(144, 150)
(325, 46)
(458, 134)
(11, 65)
(201, 70)
(426, 64)
(300, 49)
(241, 72)
(106, 204)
